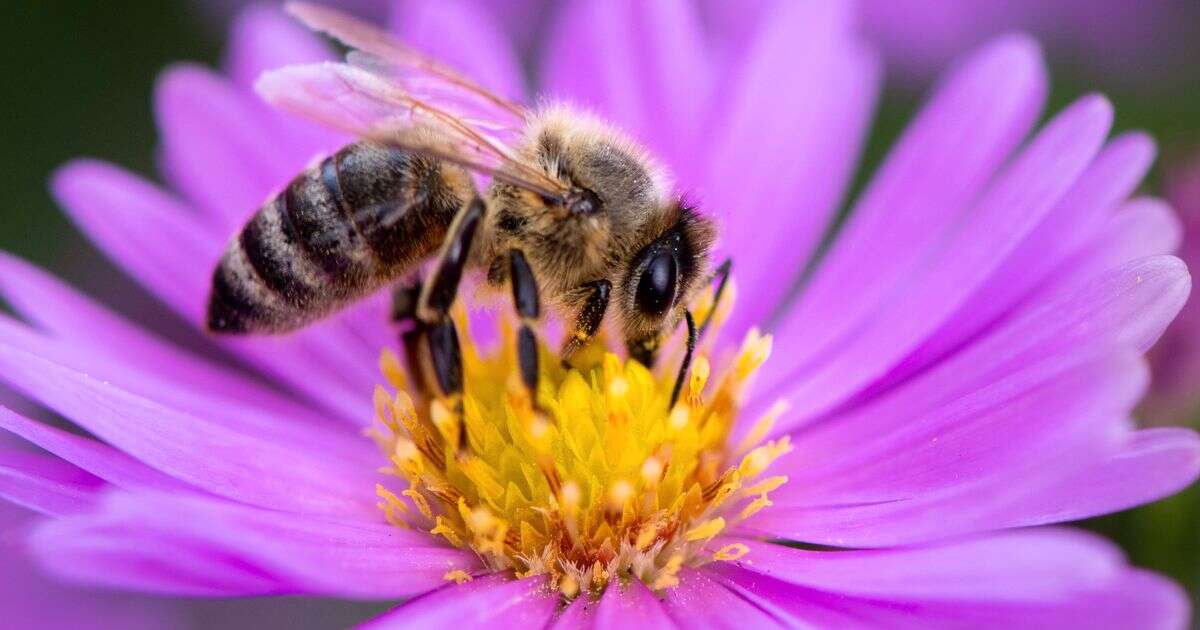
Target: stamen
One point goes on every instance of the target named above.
(597, 482)
(731, 552)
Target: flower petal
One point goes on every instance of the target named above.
(966, 130)
(905, 452)
(1031, 565)
(97, 458)
(466, 35)
(32, 600)
(643, 66)
(195, 545)
(494, 601)
(577, 614)
(1111, 177)
(951, 593)
(202, 453)
(699, 601)
(951, 270)
(630, 604)
(46, 484)
(120, 352)
(1127, 307)
(263, 38)
(152, 236)
(1130, 304)
(798, 112)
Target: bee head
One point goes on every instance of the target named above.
(663, 277)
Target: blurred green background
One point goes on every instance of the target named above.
(80, 76)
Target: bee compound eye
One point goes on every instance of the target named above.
(656, 287)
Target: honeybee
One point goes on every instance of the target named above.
(574, 214)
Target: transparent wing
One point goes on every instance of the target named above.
(389, 55)
(391, 94)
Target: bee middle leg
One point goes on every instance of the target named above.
(437, 296)
(527, 302)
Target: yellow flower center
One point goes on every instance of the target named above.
(598, 481)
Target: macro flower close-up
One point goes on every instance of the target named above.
(619, 332)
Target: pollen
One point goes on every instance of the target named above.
(597, 479)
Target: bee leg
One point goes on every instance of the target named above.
(525, 298)
(687, 357)
(405, 297)
(404, 312)
(589, 319)
(433, 307)
(721, 276)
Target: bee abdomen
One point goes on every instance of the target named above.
(339, 230)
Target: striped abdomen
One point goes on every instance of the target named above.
(340, 230)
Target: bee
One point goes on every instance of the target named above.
(573, 214)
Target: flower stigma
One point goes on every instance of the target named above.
(598, 481)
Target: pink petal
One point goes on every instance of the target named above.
(193, 545)
(702, 602)
(1111, 177)
(577, 614)
(1141, 228)
(1130, 599)
(1127, 305)
(630, 604)
(643, 66)
(32, 600)
(218, 149)
(949, 152)
(901, 453)
(263, 38)
(202, 453)
(152, 236)
(97, 458)
(1032, 565)
(495, 601)
(1003, 216)
(798, 111)
(46, 484)
(121, 352)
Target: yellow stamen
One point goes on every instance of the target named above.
(731, 552)
(597, 481)
(458, 576)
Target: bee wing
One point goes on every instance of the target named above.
(402, 97)
(408, 65)
(373, 107)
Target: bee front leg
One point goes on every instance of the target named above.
(437, 296)
(590, 317)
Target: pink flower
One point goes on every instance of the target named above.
(960, 365)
